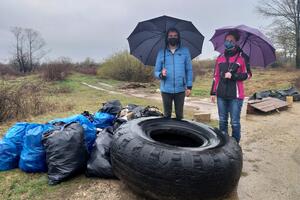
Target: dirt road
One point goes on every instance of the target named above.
(271, 146)
(271, 171)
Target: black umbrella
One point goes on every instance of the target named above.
(148, 38)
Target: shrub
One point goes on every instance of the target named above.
(56, 71)
(89, 70)
(21, 101)
(7, 70)
(203, 67)
(88, 66)
(124, 67)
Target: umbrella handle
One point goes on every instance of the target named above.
(164, 63)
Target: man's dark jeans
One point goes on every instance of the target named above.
(233, 107)
(178, 99)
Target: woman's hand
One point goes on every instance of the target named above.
(228, 75)
(213, 98)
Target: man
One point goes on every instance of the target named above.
(174, 70)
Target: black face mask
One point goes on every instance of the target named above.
(173, 41)
(231, 52)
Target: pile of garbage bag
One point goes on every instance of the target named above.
(65, 147)
(279, 94)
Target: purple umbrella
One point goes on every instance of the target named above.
(253, 43)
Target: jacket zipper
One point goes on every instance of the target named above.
(173, 72)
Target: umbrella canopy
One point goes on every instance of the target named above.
(253, 43)
(149, 36)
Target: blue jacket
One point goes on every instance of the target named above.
(179, 70)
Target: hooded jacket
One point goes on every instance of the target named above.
(179, 70)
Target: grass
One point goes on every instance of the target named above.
(19, 185)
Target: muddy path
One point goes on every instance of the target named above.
(192, 103)
(271, 150)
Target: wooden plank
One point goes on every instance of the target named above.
(268, 104)
(202, 117)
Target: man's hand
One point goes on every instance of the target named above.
(228, 75)
(213, 98)
(164, 72)
(188, 92)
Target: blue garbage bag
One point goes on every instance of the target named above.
(8, 155)
(15, 135)
(88, 126)
(33, 156)
(103, 120)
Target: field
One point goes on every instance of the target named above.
(261, 169)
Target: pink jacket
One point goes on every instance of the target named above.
(234, 87)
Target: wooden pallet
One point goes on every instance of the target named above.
(265, 105)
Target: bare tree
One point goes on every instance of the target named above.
(288, 13)
(29, 48)
(35, 47)
(284, 39)
(19, 57)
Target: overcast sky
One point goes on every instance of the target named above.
(96, 28)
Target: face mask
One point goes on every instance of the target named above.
(229, 44)
(173, 41)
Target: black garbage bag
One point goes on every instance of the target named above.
(132, 111)
(148, 111)
(296, 97)
(152, 111)
(279, 94)
(289, 92)
(292, 91)
(99, 162)
(131, 106)
(112, 107)
(261, 95)
(88, 115)
(118, 122)
(66, 153)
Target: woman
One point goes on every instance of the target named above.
(231, 70)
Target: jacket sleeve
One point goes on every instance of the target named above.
(158, 65)
(189, 70)
(245, 70)
(216, 80)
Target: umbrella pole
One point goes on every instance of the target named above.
(245, 41)
(164, 63)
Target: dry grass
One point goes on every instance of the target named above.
(270, 78)
(21, 101)
(297, 83)
(55, 71)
